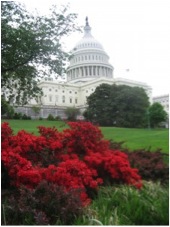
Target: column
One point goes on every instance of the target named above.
(88, 73)
(96, 70)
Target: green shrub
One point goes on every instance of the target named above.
(50, 117)
(25, 117)
(58, 118)
(17, 116)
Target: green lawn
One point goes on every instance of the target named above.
(139, 138)
(134, 138)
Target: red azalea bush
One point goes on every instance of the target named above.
(77, 158)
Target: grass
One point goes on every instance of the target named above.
(152, 139)
(31, 125)
(125, 205)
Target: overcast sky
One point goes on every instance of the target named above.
(134, 33)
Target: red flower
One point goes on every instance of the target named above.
(78, 157)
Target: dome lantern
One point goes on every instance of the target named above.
(87, 29)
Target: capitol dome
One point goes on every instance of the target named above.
(89, 59)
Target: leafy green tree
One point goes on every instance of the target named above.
(157, 114)
(31, 48)
(6, 109)
(117, 105)
(100, 106)
(72, 113)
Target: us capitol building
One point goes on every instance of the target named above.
(89, 67)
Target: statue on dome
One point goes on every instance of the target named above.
(87, 23)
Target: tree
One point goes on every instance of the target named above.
(157, 114)
(31, 48)
(117, 105)
(6, 109)
(71, 113)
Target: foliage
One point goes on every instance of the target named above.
(6, 109)
(124, 205)
(157, 114)
(78, 157)
(31, 47)
(71, 113)
(50, 117)
(151, 165)
(47, 204)
(117, 105)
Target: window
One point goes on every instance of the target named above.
(63, 99)
(49, 89)
(70, 100)
(76, 100)
(56, 99)
(70, 92)
(56, 90)
(50, 98)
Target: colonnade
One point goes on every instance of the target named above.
(86, 71)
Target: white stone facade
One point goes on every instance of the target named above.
(163, 100)
(89, 67)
